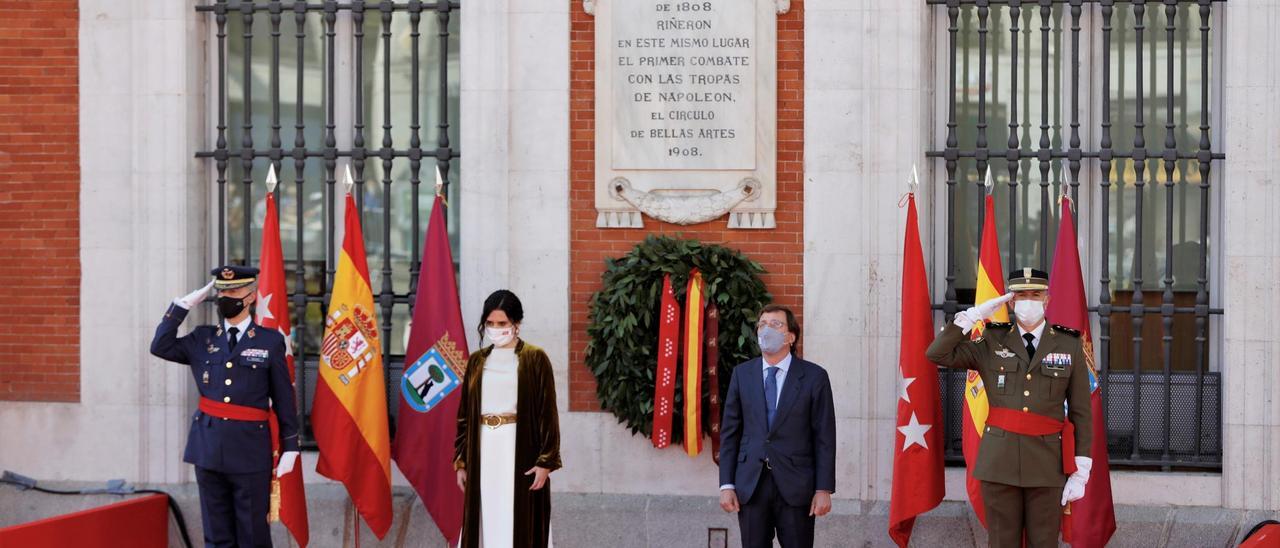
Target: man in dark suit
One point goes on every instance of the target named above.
(778, 439)
(240, 370)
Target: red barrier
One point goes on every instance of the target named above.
(142, 522)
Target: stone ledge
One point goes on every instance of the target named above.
(625, 521)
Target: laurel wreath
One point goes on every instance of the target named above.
(623, 331)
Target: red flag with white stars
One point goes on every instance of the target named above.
(273, 313)
(917, 456)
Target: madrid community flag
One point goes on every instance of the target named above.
(273, 313)
(1092, 519)
(349, 415)
(918, 484)
(435, 364)
(990, 284)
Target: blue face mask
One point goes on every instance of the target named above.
(770, 340)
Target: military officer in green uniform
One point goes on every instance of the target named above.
(1031, 461)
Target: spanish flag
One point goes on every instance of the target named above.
(350, 411)
(990, 285)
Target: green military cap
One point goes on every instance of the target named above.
(1028, 279)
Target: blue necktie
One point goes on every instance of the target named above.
(771, 394)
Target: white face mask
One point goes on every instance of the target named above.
(1029, 312)
(500, 336)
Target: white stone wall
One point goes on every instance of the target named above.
(868, 70)
(143, 218)
(1251, 252)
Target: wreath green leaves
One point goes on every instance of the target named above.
(623, 331)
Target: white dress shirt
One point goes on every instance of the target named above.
(1035, 335)
(240, 328)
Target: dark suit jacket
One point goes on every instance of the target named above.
(801, 446)
(253, 375)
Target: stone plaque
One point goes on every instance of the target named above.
(686, 111)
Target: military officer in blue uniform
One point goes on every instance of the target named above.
(241, 372)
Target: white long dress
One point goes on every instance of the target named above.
(498, 450)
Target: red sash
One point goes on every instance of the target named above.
(1031, 424)
(232, 411)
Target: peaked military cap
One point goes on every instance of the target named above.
(233, 276)
(1028, 279)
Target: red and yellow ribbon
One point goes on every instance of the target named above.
(693, 365)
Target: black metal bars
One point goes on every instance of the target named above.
(1167, 411)
(339, 29)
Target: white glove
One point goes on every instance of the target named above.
(193, 298)
(288, 460)
(1074, 489)
(967, 319)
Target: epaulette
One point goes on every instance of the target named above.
(999, 325)
(1065, 329)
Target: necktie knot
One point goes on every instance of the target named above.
(1030, 337)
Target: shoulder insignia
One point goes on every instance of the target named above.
(999, 325)
(1066, 330)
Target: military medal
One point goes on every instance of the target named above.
(205, 378)
(1000, 381)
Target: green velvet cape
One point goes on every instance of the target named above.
(537, 444)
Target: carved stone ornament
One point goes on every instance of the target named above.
(688, 207)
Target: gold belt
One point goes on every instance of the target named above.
(494, 421)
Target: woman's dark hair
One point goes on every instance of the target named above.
(505, 301)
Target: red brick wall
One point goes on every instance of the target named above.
(780, 251)
(40, 200)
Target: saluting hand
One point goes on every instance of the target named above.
(968, 318)
(539, 477)
(194, 298)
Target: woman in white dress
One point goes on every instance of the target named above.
(508, 440)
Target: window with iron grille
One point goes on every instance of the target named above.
(310, 88)
(1112, 103)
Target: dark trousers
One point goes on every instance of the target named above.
(766, 513)
(1013, 510)
(234, 508)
